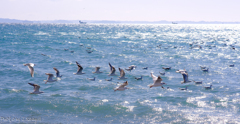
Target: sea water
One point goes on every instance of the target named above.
(75, 99)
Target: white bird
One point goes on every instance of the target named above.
(183, 88)
(30, 67)
(122, 87)
(36, 89)
(80, 68)
(180, 71)
(138, 78)
(113, 70)
(97, 70)
(122, 74)
(91, 79)
(50, 78)
(109, 79)
(185, 78)
(157, 81)
(57, 73)
(208, 87)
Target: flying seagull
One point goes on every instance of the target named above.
(80, 68)
(57, 73)
(185, 77)
(122, 74)
(122, 87)
(97, 70)
(50, 78)
(113, 70)
(157, 81)
(30, 67)
(36, 89)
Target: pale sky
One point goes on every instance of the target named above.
(122, 10)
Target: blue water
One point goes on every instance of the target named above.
(74, 99)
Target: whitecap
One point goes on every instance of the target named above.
(105, 100)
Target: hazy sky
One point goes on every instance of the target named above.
(122, 10)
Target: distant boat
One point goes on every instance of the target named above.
(174, 23)
(82, 22)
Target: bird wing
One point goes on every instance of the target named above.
(80, 68)
(185, 76)
(111, 67)
(50, 76)
(158, 81)
(124, 84)
(97, 69)
(30, 67)
(154, 77)
(36, 87)
(57, 72)
(31, 70)
(122, 73)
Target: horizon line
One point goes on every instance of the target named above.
(8, 20)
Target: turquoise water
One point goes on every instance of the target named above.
(74, 99)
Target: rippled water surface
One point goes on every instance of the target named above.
(75, 99)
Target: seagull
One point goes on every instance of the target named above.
(183, 88)
(197, 82)
(157, 81)
(122, 74)
(122, 87)
(232, 65)
(89, 51)
(138, 78)
(36, 89)
(162, 73)
(109, 79)
(49, 79)
(205, 70)
(145, 68)
(80, 68)
(91, 79)
(113, 70)
(97, 70)
(57, 73)
(185, 77)
(166, 68)
(180, 71)
(30, 67)
(203, 67)
(208, 87)
(130, 68)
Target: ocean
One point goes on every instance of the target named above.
(75, 99)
